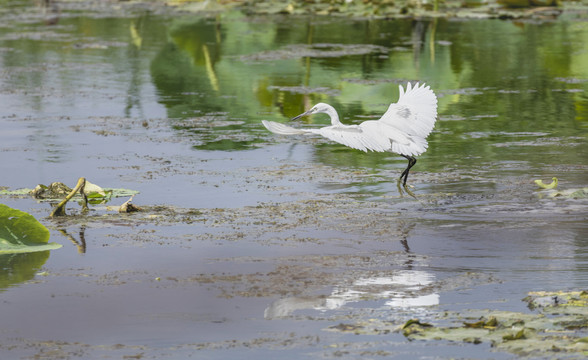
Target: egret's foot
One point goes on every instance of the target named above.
(406, 189)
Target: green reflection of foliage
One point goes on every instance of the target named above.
(18, 268)
(502, 86)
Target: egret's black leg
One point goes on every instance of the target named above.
(411, 162)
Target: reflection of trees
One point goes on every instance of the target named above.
(58, 73)
(190, 67)
(512, 73)
(184, 69)
(18, 268)
(200, 71)
(135, 81)
(495, 69)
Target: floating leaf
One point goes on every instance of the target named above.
(475, 325)
(517, 336)
(519, 333)
(21, 232)
(483, 323)
(17, 192)
(571, 193)
(542, 185)
(347, 327)
(415, 322)
(121, 192)
(561, 300)
(47, 193)
(413, 326)
(93, 191)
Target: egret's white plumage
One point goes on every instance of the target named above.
(403, 128)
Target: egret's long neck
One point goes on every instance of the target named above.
(334, 116)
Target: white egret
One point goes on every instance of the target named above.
(403, 129)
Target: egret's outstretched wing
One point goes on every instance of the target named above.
(365, 136)
(415, 112)
(279, 128)
(358, 137)
(403, 128)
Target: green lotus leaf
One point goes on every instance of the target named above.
(22, 233)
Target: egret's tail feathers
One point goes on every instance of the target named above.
(279, 128)
(415, 147)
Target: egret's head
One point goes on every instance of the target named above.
(318, 108)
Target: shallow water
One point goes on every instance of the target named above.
(253, 243)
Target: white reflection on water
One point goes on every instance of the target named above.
(405, 288)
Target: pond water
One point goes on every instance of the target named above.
(257, 244)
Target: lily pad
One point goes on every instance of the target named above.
(17, 192)
(22, 233)
(121, 192)
(92, 191)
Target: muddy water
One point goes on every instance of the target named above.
(261, 245)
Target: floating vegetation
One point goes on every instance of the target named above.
(542, 185)
(571, 193)
(558, 301)
(128, 206)
(56, 191)
(560, 326)
(405, 8)
(566, 194)
(84, 191)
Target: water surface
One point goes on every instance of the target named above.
(263, 242)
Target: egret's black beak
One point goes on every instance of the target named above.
(303, 114)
